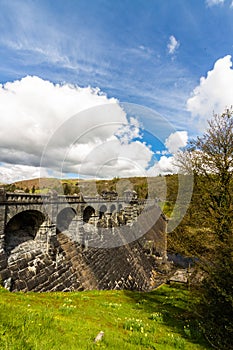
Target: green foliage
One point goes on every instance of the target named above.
(210, 216)
(216, 305)
(10, 187)
(66, 188)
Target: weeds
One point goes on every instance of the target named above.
(130, 321)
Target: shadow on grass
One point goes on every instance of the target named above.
(172, 306)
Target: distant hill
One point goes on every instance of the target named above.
(69, 186)
(37, 183)
(160, 187)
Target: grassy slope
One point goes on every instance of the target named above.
(131, 320)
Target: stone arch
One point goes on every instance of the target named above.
(112, 208)
(120, 207)
(88, 213)
(102, 210)
(16, 209)
(64, 219)
(23, 227)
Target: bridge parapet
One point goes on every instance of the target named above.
(52, 203)
(40, 198)
(25, 197)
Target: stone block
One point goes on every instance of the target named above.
(21, 263)
(13, 268)
(19, 285)
(42, 278)
(3, 262)
(31, 283)
(4, 274)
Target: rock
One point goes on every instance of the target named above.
(99, 337)
(180, 276)
(7, 283)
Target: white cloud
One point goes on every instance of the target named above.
(113, 158)
(84, 132)
(176, 141)
(166, 163)
(164, 166)
(210, 3)
(214, 93)
(130, 131)
(172, 45)
(17, 172)
(64, 130)
(31, 109)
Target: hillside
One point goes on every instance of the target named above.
(70, 321)
(152, 187)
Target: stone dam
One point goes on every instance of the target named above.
(72, 243)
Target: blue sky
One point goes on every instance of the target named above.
(152, 53)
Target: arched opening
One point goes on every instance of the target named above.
(112, 208)
(88, 213)
(102, 210)
(64, 219)
(23, 227)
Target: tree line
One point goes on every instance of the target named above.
(206, 231)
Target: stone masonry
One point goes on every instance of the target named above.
(58, 243)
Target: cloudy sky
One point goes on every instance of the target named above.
(99, 88)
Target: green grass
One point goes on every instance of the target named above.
(130, 320)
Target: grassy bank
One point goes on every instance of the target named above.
(130, 320)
